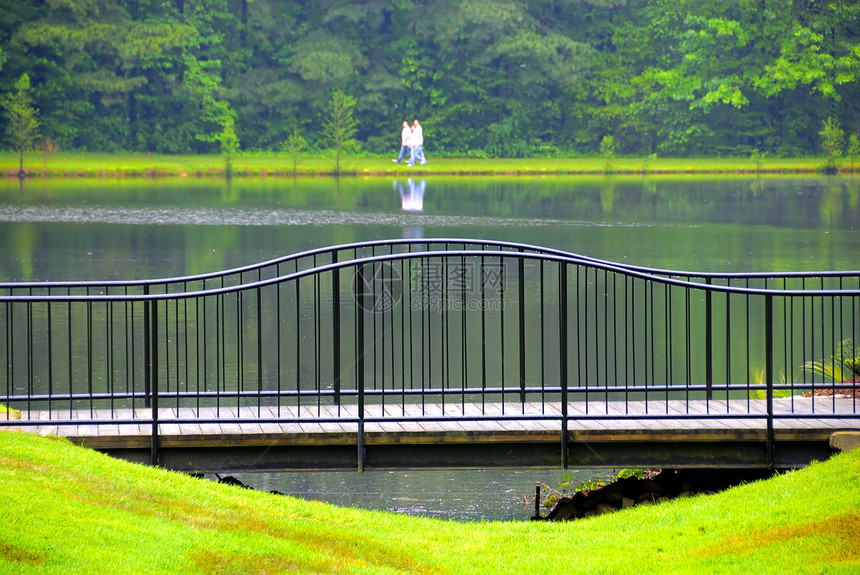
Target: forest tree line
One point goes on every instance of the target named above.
(503, 78)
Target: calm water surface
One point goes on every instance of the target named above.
(105, 229)
(462, 495)
(98, 229)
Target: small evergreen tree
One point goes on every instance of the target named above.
(229, 144)
(758, 157)
(341, 126)
(607, 151)
(23, 118)
(294, 146)
(832, 140)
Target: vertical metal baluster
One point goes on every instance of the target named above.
(650, 321)
(667, 303)
(10, 352)
(109, 367)
(688, 336)
(278, 351)
(425, 304)
(501, 294)
(186, 338)
(768, 323)
(728, 346)
(629, 354)
(259, 349)
(335, 335)
(153, 369)
(580, 351)
(709, 340)
(430, 353)
(317, 291)
(747, 321)
(48, 305)
(522, 325)
(298, 336)
(89, 339)
(606, 378)
(586, 358)
(541, 291)
(562, 355)
(359, 370)
(219, 329)
(31, 344)
(405, 302)
(463, 336)
(202, 367)
(240, 348)
(391, 327)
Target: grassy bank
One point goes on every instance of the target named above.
(69, 164)
(68, 509)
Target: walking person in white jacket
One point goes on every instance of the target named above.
(405, 134)
(416, 145)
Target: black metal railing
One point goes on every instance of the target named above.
(419, 330)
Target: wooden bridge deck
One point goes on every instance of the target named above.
(462, 434)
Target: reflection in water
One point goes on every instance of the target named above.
(411, 195)
(412, 200)
(65, 229)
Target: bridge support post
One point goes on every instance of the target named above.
(152, 330)
(562, 358)
(521, 280)
(359, 363)
(768, 321)
(709, 344)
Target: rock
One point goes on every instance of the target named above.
(563, 509)
(604, 508)
(647, 497)
(845, 440)
(665, 486)
(230, 480)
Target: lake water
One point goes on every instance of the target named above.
(108, 229)
(129, 229)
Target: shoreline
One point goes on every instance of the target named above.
(90, 165)
(221, 174)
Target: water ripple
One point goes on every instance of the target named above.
(263, 217)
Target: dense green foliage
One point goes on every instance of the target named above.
(502, 78)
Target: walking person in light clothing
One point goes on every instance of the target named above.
(416, 145)
(405, 134)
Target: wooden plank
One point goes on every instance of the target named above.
(481, 429)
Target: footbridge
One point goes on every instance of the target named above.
(437, 353)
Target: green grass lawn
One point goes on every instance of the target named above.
(67, 509)
(137, 164)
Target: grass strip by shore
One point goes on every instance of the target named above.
(67, 509)
(82, 164)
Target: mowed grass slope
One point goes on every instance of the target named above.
(66, 509)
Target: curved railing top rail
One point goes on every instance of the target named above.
(427, 242)
(545, 257)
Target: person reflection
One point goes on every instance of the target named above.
(411, 195)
